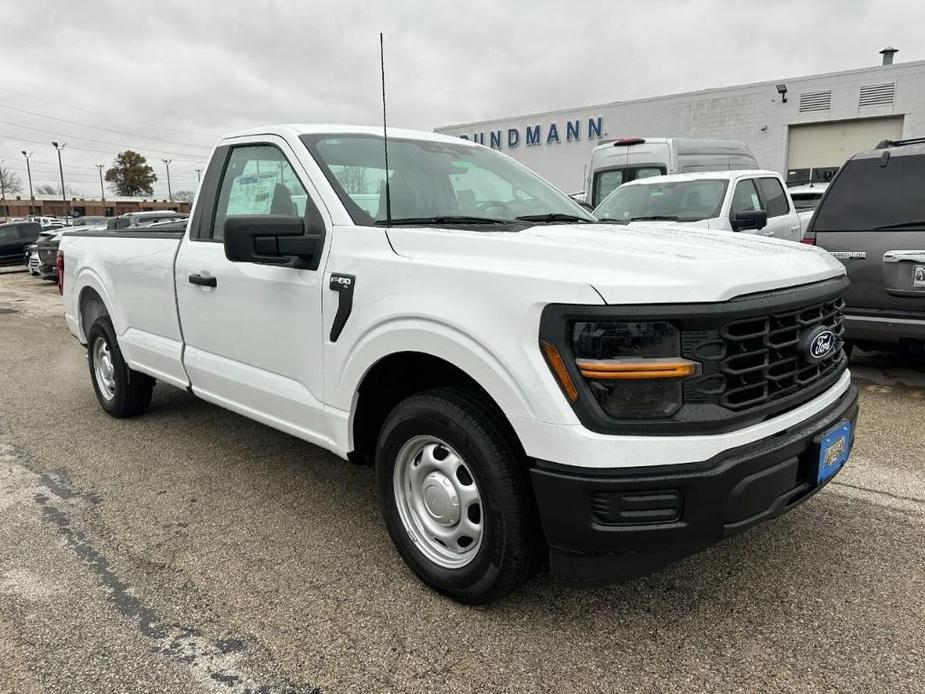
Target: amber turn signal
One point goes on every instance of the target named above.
(635, 370)
(557, 366)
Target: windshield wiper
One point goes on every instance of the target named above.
(902, 225)
(613, 220)
(655, 218)
(551, 217)
(441, 219)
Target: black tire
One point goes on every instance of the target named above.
(511, 542)
(131, 390)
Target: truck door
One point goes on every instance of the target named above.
(253, 332)
(783, 222)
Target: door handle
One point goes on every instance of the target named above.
(203, 280)
(897, 256)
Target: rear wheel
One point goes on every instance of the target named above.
(120, 391)
(454, 493)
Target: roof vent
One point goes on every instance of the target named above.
(877, 94)
(888, 54)
(815, 101)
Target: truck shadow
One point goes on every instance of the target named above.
(889, 368)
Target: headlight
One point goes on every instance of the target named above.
(633, 369)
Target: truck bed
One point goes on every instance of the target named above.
(132, 271)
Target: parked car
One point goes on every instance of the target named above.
(806, 199)
(14, 238)
(31, 257)
(756, 202)
(527, 380)
(46, 251)
(89, 220)
(872, 218)
(631, 158)
(140, 219)
(45, 221)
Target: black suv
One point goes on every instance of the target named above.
(14, 237)
(872, 218)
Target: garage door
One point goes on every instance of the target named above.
(823, 145)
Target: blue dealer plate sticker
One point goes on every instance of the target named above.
(833, 451)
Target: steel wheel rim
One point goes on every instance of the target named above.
(103, 368)
(438, 501)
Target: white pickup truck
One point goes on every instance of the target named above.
(753, 201)
(528, 382)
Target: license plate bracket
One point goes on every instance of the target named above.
(834, 449)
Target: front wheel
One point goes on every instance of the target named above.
(121, 391)
(455, 497)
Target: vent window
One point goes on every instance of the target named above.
(877, 94)
(815, 101)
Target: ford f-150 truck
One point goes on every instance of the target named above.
(528, 382)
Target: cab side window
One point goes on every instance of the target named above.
(258, 180)
(774, 197)
(745, 197)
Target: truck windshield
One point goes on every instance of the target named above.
(437, 182)
(682, 201)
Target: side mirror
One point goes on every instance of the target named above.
(270, 240)
(748, 219)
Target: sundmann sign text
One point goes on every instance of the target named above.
(533, 135)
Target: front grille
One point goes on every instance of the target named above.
(758, 359)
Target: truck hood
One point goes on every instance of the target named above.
(626, 264)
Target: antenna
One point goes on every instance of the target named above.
(385, 138)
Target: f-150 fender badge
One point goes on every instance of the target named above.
(343, 285)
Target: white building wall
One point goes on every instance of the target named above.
(751, 113)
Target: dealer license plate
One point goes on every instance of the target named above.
(918, 276)
(833, 451)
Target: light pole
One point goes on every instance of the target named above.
(67, 207)
(102, 191)
(28, 155)
(2, 191)
(169, 191)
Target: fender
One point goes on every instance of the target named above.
(440, 339)
(86, 278)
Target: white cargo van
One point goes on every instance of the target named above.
(629, 158)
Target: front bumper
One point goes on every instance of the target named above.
(606, 525)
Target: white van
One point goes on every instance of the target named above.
(629, 158)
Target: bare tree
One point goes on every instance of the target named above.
(184, 195)
(48, 189)
(12, 183)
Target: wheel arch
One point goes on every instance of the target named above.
(90, 306)
(397, 376)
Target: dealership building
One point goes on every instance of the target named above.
(802, 127)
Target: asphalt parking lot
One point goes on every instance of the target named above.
(192, 550)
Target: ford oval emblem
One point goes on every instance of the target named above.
(818, 344)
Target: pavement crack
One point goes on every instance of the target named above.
(218, 664)
(898, 497)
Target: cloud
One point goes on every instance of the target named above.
(187, 72)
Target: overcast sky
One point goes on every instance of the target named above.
(167, 78)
